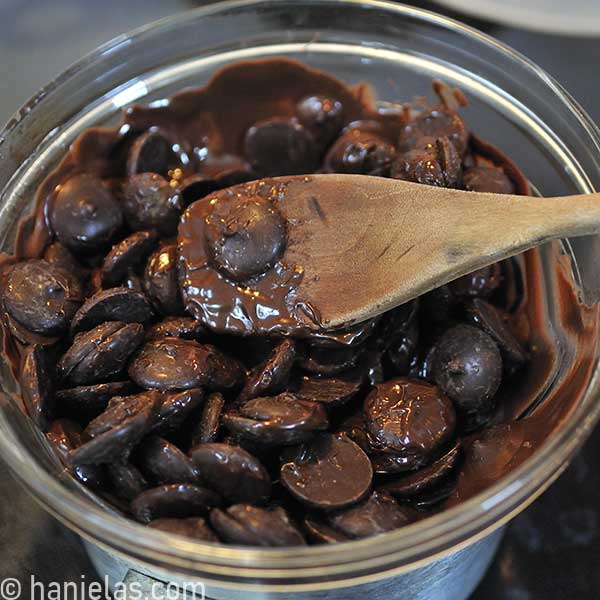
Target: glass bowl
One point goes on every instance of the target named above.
(399, 50)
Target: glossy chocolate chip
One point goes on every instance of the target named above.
(253, 526)
(487, 179)
(36, 385)
(185, 328)
(114, 304)
(162, 462)
(151, 152)
(362, 152)
(65, 436)
(479, 284)
(113, 443)
(194, 527)
(120, 409)
(161, 280)
(127, 481)
(233, 472)
(490, 319)
(126, 255)
(175, 364)
(330, 392)
(387, 462)
(378, 514)
(176, 408)
(94, 477)
(322, 115)
(248, 240)
(428, 500)
(425, 479)
(329, 472)
(271, 376)
(467, 365)
(435, 122)
(88, 401)
(100, 354)
(173, 501)
(150, 202)
(329, 361)
(85, 214)
(206, 430)
(320, 532)
(280, 146)
(433, 162)
(491, 454)
(41, 297)
(410, 419)
(281, 420)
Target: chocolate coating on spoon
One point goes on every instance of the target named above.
(230, 276)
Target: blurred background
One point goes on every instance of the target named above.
(40, 38)
(552, 550)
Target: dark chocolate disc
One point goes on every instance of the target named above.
(329, 472)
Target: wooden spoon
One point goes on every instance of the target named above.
(368, 244)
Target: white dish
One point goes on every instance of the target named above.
(576, 17)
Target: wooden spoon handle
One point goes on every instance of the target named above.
(566, 216)
(502, 226)
(369, 244)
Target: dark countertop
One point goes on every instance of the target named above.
(551, 551)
